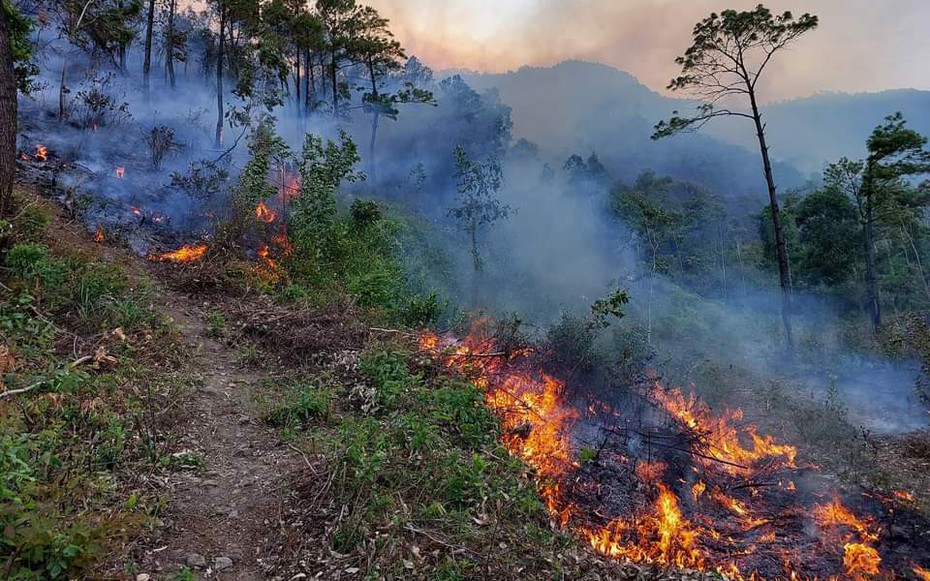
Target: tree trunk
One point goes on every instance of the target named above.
(7, 121)
(63, 90)
(784, 272)
(871, 279)
(476, 262)
(169, 62)
(219, 79)
(309, 83)
(335, 86)
(376, 114)
(147, 63)
(297, 99)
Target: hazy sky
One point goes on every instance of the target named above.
(861, 45)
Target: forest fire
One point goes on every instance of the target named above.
(693, 490)
(184, 254)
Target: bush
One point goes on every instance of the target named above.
(572, 342)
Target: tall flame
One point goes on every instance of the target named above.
(190, 253)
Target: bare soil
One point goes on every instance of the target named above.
(229, 508)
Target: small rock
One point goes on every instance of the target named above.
(222, 563)
(143, 577)
(195, 560)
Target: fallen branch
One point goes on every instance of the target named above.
(13, 392)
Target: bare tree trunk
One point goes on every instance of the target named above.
(63, 89)
(871, 278)
(7, 120)
(309, 82)
(219, 79)
(169, 59)
(335, 86)
(476, 262)
(376, 114)
(147, 63)
(784, 271)
(297, 99)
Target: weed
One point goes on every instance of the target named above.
(216, 323)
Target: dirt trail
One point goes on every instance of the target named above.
(221, 519)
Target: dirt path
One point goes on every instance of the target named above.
(221, 519)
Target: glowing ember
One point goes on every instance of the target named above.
(922, 574)
(136, 211)
(903, 496)
(120, 172)
(41, 152)
(184, 254)
(24, 156)
(265, 254)
(98, 235)
(264, 214)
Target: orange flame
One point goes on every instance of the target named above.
(264, 214)
(835, 514)
(860, 560)
(41, 152)
(922, 574)
(184, 254)
(120, 172)
(136, 211)
(283, 243)
(720, 437)
(98, 235)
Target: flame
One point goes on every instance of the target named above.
(903, 495)
(283, 243)
(41, 152)
(835, 514)
(24, 156)
(265, 254)
(120, 172)
(98, 235)
(184, 254)
(860, 560)
(719, 437)
(717, 529)
(264, 214)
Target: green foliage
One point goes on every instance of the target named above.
(21, 46)
(216, 323)
(478, 185)
(609, 306)
(572, 343)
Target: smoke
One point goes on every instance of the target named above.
(557, 253)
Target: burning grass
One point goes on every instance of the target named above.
(672, 483)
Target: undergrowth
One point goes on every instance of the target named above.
(78, 337)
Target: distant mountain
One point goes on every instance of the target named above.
(580, 107)
(814, 131)
(577, 107)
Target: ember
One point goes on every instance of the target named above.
(120, 172)
(41, 152)
(742, 515)
(98, 235)
(183, 254)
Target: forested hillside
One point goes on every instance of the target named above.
(280, 301)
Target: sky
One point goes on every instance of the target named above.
(861, 45)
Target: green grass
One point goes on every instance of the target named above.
(80, 333)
